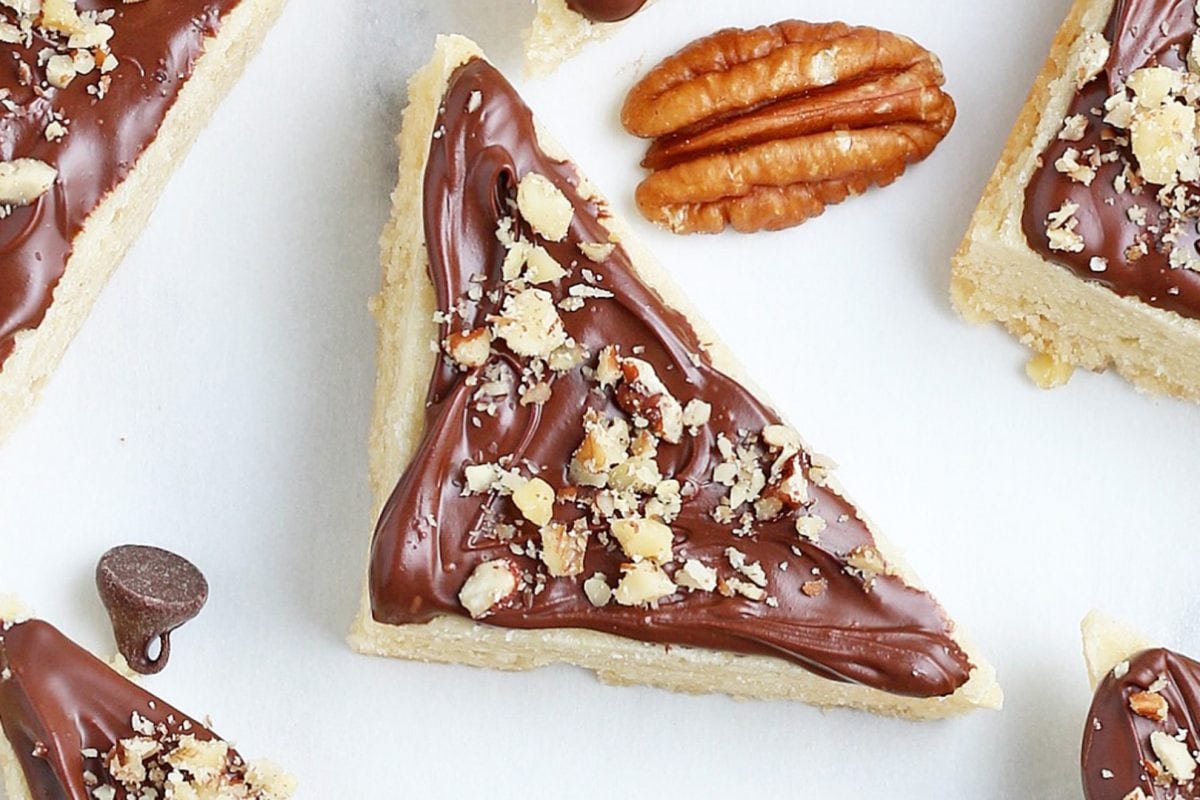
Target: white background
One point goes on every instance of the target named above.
(217, 403)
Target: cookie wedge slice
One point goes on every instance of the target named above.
(74, 728)
(1084, 245)
(568, 466)
(562, 27)
(1141, 740)
(99, 101)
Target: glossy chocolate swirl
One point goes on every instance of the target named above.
(431, 537)
(1142, 33)
(606, 10)
(1116, 741)
(157, 44)
(59, 701)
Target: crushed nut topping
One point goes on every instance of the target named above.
(168, 760)
(616, 494)
(1151, 133)
(72, 46)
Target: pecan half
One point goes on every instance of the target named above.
(762, 129)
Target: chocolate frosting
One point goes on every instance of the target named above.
(57, 700)
(430, 537)
(1142, 33)
(607, 10)
(1116, 741)
(156, 44)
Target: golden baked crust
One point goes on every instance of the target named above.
(404, 310)
(998, 277)
(1106, 643)
(558, 33)
(116, 223)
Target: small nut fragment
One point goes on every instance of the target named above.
(563, 549)
(61, 16)
(470, 349)
(24, 180)
(481, 477)
(544, 206)
(1174, 755)
(1164, 143)
(810, 527)
(598, 592)
(643, 583)
(1047, 372)
(696, 414)
(490, 584)
(644, 539)
(540, 266)
(1153, 86)
(597, 251)
(868, 560)
(762, 129)
(608, 366)
(698, 577)
(204, 759)
(647, 399)
(60, 70)
(1150, 705)
(605, 445)
(536, 501)
(746, 589)
(126, 761)
(814, 588)
(529, 324)
(781, 437)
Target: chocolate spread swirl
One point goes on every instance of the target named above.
(1142, 33)
(58, 701)
(156, 44)
(606, 10)
(1116, 741)
(431, 537)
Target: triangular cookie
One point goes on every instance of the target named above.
(588, 478)
(562, 27)
(1141, 736)
(74, 728)
(98, 103)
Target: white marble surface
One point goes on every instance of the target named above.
(217, 403)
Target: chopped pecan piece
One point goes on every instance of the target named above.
(1150, 705)
(762, 129)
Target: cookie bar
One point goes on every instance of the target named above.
(562, 27)
(74, 728)
(1140, 741)
(1085, 245)
(98, 103)
(568, 467)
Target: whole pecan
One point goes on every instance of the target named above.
(762, 129)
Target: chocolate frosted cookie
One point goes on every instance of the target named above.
(1140, 741)
(1085, 243)
(569, 468)
(100, 100)
(75, 729)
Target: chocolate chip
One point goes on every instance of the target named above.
(149, 592)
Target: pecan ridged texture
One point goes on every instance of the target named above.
(762, 129)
